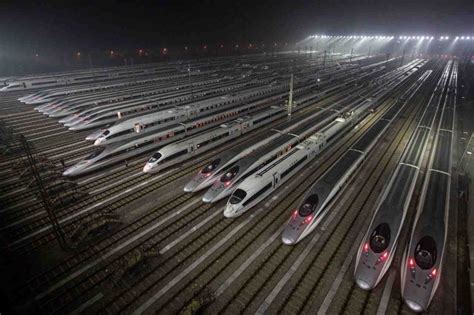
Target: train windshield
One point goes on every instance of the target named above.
(210, 167)
(425, 253)
(237, 196)
(380, 238)
(309, 205)
(155, 157)
(230, 174)
(94, 154)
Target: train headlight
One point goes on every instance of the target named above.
(430, 276)
(382, 258)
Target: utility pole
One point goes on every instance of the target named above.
(310, 52)
(290, 99)
(44, 195)
(403, 57)
(324, 59)
(352, 52)
(189, 81)
(370, 47)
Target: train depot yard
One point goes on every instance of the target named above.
(313, 178)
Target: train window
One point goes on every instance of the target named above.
(258, 194)
(230, 174)
(94, 154)
(106, 132)
(237, 196)
(380, 238)
(174, 155)
(210, 167)
(425, 253)
(291, 168)
(309, 205)
(155, 157)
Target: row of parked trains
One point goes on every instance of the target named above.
(196, 108)
(99, 77)
(129, 129)
(249, 176)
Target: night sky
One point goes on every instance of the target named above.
(118, 24)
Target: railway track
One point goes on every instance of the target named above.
(176, 250)
(34, 208)
(177, 290)
(130, 173)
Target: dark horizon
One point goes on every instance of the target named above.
(49, 26)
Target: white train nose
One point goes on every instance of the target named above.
(287, 240)
(147, 168)
(231, 212)
(98, 141)
(68, 171)
(188, 188)
(362, 284)
(414, 306)
(207, 198)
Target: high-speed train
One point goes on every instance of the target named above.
(152, 122)
(230, 176)
(379, 244)
(84, 76)
(213, 173)
(316, 202)
(182, 150)
(146, 97)
(151, 93)
(102, 111)
(127, 129)
(50, 95)
(77, 104)
(422, 261)
(120, 151)
(259, 185)
(126, 104)
(148, 114)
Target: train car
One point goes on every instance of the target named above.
(120, 151)
(151, 122)
(316, 202)
(96, 75)
(213, 173)
(147, 94)
(182, 150)
(259, 185)
(422, 262)
(379, 244)
(50, 95)
(116, 152)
